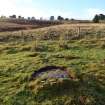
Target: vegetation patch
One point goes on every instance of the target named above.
(53, 75)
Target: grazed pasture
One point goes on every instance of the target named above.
(78, 47)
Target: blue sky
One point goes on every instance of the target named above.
(80, 9)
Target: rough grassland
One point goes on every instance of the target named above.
(83, 55)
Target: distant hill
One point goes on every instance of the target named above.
(23, 24)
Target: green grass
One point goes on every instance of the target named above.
(85, 57)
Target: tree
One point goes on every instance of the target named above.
(29, 18)
(102, 17)
(96, 19)
(33, 18)
(60, 18)
(52, 18)
(13, 16)
(67, 19)
(19, 17)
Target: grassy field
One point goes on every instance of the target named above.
(78, 47)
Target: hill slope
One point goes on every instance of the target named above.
(23, 24)
(80, 50)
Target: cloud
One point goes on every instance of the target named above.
(19, 7)
(29, 8)
(5, 5)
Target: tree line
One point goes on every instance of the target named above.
(51, 18)
(97, 18)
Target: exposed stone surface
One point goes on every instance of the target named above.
(51, 72)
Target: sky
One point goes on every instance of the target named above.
(77, 9)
